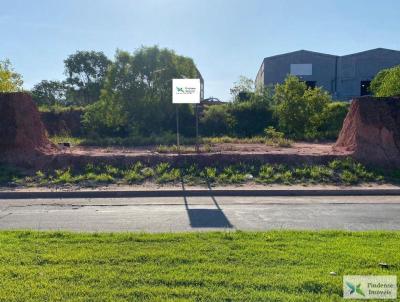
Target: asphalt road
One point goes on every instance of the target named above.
(176, 214)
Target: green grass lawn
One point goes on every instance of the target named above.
(239, 266)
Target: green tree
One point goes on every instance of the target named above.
(137, 94)
(86, 71)
(10, 81)
(387, 82)
(299, 108)
(50, 93)
(291, 107)
(243, 87)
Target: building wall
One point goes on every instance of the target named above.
(277, 68)
(363, 66)
(259, 82)
(341, 76)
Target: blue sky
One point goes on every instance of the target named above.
(226, 38)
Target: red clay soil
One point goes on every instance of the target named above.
(371, 131)
(22, 134)
(220, 154)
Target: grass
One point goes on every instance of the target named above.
(337, 172)
(59, 108)
(74, 141)
(270, 141)
(239, 266)
(166, 142)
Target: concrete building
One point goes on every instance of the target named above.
(344, 77)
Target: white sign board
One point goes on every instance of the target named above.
(186, 91)
(301, 69)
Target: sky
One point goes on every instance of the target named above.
(225, 38)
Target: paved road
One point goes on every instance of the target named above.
(202, 213)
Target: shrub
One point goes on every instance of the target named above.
(299, 109)
(332, 118)
(276, 138)
(270, 132)
(216, 120)
(250, 117)
(348, 177)
(63, 177)
(387, 82)
(169, 176)
(210, 173)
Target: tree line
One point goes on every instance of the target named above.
(130, 95)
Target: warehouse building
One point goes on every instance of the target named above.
(344, 77)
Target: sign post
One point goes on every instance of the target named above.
(186, 91)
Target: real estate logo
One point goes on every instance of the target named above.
(370, 287)
(186, 91)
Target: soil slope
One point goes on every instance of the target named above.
(371, 131)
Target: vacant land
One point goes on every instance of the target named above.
(270, 266)
(210, 146)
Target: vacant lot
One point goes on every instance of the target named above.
(270, 266)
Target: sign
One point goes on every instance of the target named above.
(370, 287)
(186, 91)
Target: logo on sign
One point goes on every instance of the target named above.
(186, 91)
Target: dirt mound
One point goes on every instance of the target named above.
(371, 131)
(21, 130)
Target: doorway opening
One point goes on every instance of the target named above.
(311, 84)
(364, 88)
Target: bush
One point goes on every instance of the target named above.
(276, 138)
(216, 120)
(250, 117)
(305, 113)
(387, 82)
(332, 118)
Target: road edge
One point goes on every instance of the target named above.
(200, 192)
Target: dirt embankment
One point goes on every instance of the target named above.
(22, 134)
(371, 131)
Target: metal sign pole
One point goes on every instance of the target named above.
(177, 127)
(197, 129)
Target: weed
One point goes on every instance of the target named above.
(169, 176)
(132, 176)
(348, 177)
(161, 168)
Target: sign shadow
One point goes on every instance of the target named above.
(206, 218)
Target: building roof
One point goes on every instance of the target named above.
(372, 50)
(300, 51)
(329, 55)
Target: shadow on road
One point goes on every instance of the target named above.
(206, 218)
